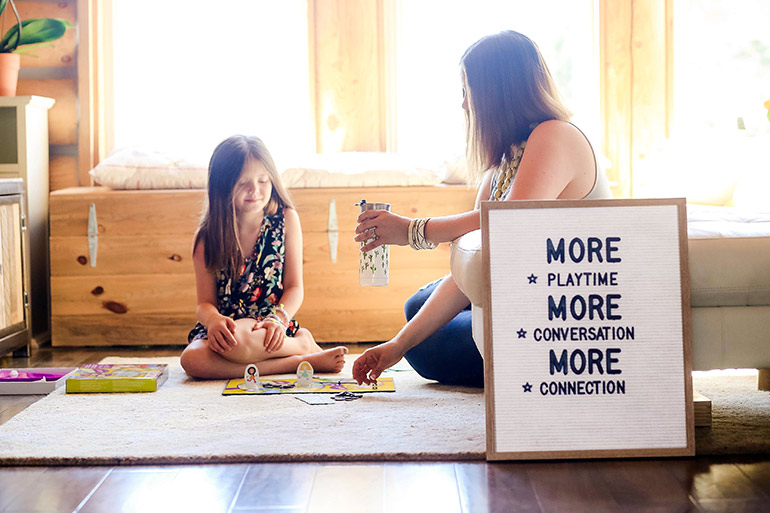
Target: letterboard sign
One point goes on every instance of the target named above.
(587, 329)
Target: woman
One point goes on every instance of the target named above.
(522, 147)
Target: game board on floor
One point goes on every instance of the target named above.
(269, 386)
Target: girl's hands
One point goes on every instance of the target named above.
(384, 227)
(221, 333)
(368, 367)
(274, 334)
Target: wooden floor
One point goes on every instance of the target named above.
(653, 485)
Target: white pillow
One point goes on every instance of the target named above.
(360, 169)
(132, 168)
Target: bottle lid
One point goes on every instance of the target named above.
(372, 206)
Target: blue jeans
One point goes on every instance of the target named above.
(449, 355)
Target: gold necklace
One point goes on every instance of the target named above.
(508, 170)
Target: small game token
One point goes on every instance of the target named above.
(346, 396)
(304, 375)
(251, 377)
(273, 384)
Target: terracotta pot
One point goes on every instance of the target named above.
(9, 73)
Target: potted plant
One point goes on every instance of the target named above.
(27, 32)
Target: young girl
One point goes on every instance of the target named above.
(247, 255)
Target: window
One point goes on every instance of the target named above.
(720, 132)
(722, 66)
(432, 36)
(189, 73)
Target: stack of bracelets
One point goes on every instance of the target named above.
(276, 314)
(416, 234)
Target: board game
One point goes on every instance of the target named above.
(95, 378)
(31, 381)
(318, 386)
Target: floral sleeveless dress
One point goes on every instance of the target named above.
(259, 288)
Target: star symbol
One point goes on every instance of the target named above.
(532, 278)
(522, 333)
(527, 387)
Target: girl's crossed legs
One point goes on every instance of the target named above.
(199, 361)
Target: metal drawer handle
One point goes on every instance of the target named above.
(332, 230)
(93, 234)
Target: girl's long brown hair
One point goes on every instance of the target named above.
(218, 229)
(509, 91)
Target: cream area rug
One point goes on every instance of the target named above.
(190, 421)
(740, 414)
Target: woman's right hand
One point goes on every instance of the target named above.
(221, 333)
(384, 227)
(368, 367)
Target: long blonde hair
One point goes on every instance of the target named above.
(219, 224)
(509, 91)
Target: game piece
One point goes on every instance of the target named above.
(40, 380)
(251, 377)
(274, 384)
(347, 396)
(304, 375)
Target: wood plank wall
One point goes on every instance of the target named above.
(351, 62)
(53, 73)
(350, 69)
(637, 82)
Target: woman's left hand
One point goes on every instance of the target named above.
(274, 334)
(384, 227)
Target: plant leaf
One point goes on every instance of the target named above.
(35, 30)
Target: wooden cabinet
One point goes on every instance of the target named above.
(24, 154)
(121, 271)
(14, 280)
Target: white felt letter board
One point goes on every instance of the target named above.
(587, 329)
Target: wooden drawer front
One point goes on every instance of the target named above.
(130, 309)
(145, 293)
(313, 204)
(130, 329)
(125, 213)
(142, 288)
(118, 255)
(338, 309)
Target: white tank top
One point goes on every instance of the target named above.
(502, 182)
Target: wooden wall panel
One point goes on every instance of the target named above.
(348, 75)
(63, 116)
(650, 118)
(636, 83)
(616, 86)
(57, 53)
(63, 172)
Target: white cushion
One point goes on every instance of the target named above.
(729, 256)
(134, 168)
(361, 169)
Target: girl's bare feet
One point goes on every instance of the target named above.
(330, 360)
